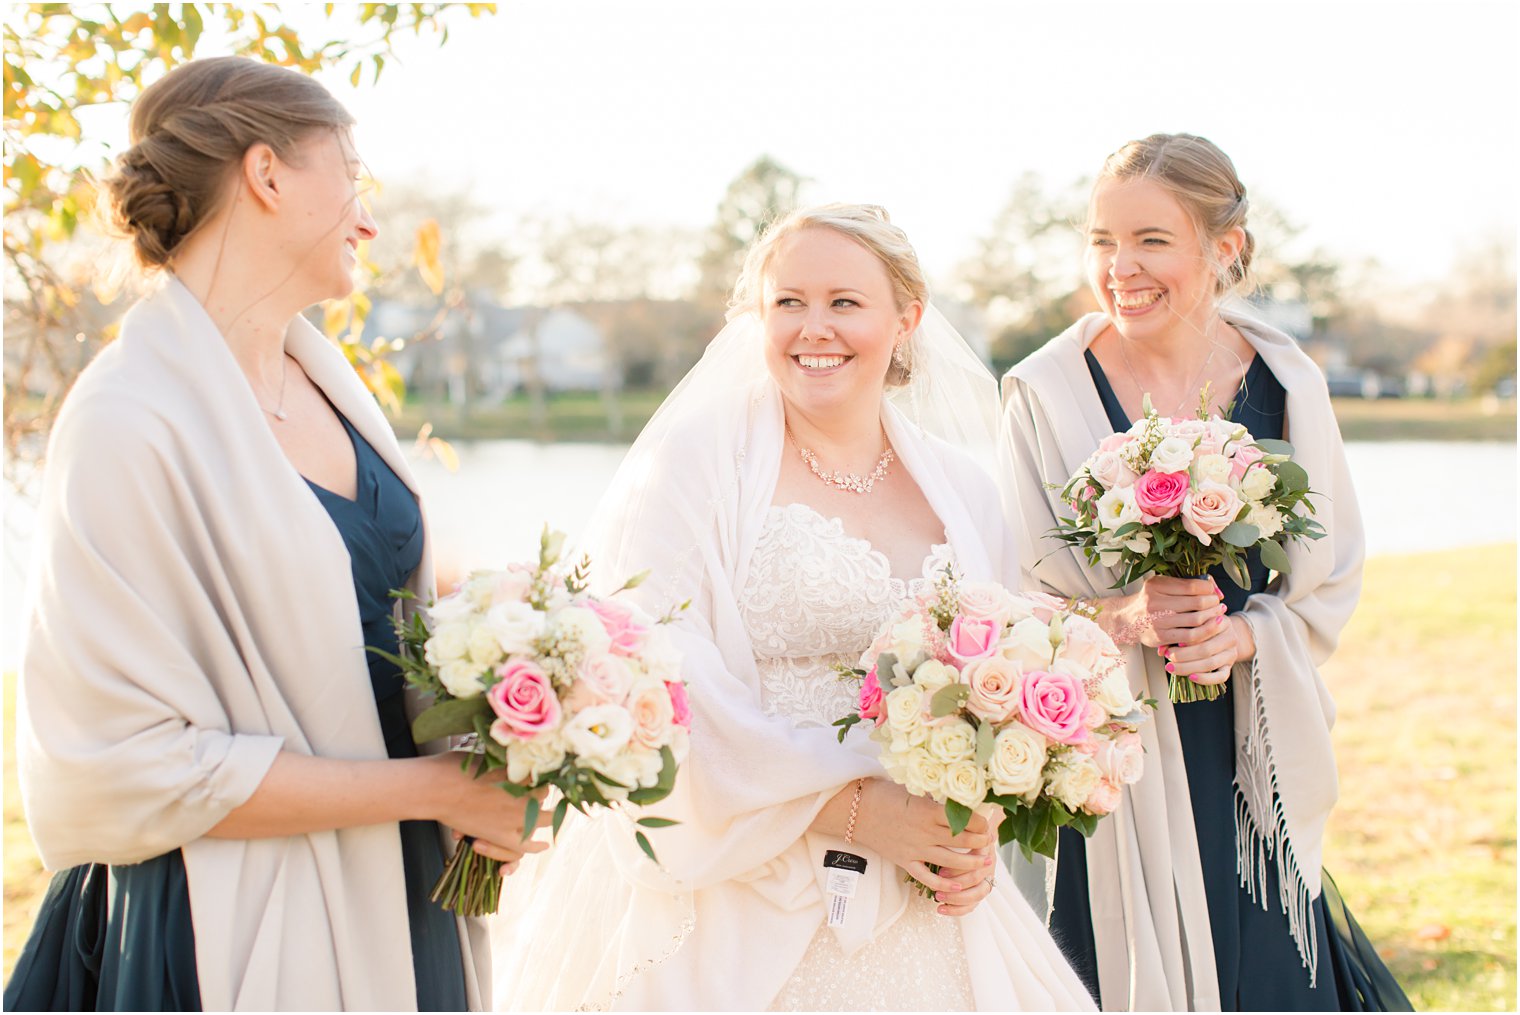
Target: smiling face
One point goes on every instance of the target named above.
(326, 218)
(831, 322)
(1146, 262)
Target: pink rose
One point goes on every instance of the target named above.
(973, 638)
(995, 685)
(870, 698)
(1114, 442)
(1086, 647)
(653, 715)
(1103, 799)
(1208, 509)
(986, 601)
(626, 633)
(1055, 705)
(1246, 455)
(523, 700)
(679, 703)
(1159, 495)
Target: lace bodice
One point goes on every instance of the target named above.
(816, 597)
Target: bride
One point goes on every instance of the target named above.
(801, 483)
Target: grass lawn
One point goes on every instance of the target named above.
(1423, 842)
(1425, 419)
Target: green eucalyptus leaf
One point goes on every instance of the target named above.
(985, 740)
(1241, 534)
(449, 718)
(959, 816)
(1275, 557)
(1275, 447)
(948, 699)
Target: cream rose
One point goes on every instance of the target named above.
(1072, 778)
(1027, 643)
(1108, 468)
(1113, 693)
(484, 649)
(527, 760)
(1209, 507)
(1257, 483)
(987, 601)
(515, 626)
(953, 742)
(448, 643)
(965, 783)
(932, 674)
(907, 641)
(994, 687)
(1212, 468)
(923, 776)
(652, 713)
(461, 678)
(1018, 758)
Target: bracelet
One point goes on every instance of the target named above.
(849, 828)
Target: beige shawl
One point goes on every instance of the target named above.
(1149, 914)
(193, 614)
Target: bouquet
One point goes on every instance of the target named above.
(982, 698)
(1177, 497)
(555, 687)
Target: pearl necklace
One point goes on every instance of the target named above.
(847, 481)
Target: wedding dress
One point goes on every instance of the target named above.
(732, 917)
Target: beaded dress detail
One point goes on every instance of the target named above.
(816, 597)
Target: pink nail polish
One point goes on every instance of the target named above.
(1171, 668)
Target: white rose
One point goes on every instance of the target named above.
(907, 640)
(484, 649)
(607, 678)
(987, 601)
(449, 609)
(932, 674)
(1257, 483)
(954, 741)
(448, 643)
(1174, 454)
(1027, 643)
(965, 783)
(1117, 507)
(923, 776)
(1018, 758)
(904, 706)
(527, 760)
(1224, 431)
(1072, 778)
(1266, 518)
(580, 626)
(1113, 693)
(516, 627)
(1212, 468)
(461, 678)
(599, 731)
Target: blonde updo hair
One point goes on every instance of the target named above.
(866, 224)
(190, 128)
(1202, 179)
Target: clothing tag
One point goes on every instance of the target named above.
(844, 871)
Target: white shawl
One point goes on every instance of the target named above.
(193, 614)
(1149, 914)
(729, 922)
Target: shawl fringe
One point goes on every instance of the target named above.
(1261, 830)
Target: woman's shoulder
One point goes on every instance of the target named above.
(1054, 363)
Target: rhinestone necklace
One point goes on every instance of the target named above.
(847, 481)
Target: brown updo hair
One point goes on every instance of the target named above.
(866, 224)
(190, 128)
(1202, 179)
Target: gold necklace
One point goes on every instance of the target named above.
(847, 481)
(1124, 355)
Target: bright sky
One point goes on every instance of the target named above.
(1389, 129)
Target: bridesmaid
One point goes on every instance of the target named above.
(221, 774)
(1206, 891)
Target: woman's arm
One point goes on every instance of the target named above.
(301, 794)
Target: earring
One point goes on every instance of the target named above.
(897, 356)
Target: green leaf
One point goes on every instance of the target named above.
(845, 724)
(1240, 534)
(645, 846)
(661, 789)
(530, 817)
(658, 822)
(959, 816)
(449, 718)
(1292, 477)
(985, 740)
(1275, 447)
(1126, 529)
(1236, 571)
(560, 810)
(948, 699)
(1275, 557)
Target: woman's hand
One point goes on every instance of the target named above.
(1212, 650)
(913, 832)
(480, 808)
(1166, 611)
(975, 872)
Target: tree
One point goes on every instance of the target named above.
(764, 192)
(62, 60)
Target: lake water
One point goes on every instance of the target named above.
(1424, 495)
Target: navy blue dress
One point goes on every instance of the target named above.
(1258, 964)
(137, 953)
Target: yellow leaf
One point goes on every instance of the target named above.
(445, 452)
(426, 255)
(335, 317)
